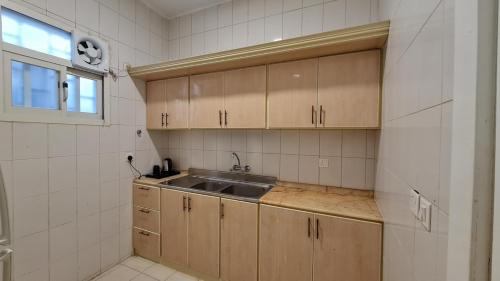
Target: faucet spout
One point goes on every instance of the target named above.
(236, 167)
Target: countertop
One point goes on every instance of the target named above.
(343, 202)
(350, 203)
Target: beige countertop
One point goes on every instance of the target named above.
(350, 203)
(344, 202)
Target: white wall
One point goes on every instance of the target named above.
(69, 186)
(415, 142)
(242, 23)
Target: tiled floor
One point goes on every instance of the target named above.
(139, 269)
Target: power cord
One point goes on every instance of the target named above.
(130, 158)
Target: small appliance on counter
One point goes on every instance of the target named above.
(167, 170)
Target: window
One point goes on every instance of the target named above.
(40, 83)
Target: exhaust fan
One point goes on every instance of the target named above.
(90, 53)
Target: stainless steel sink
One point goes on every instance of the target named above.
(236, 186)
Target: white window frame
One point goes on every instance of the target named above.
(9, 52)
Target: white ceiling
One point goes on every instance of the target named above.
(174, 8)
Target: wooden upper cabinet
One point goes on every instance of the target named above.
(155, 104)
(349, 90)
(245, 97)
(177, 103)
(286, 245)
(174, 227)
(203, 235)
(347, 249)
(292, 94)
(239, 235)
(207, 100)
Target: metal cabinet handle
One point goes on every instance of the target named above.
(222, 210)
(220, 118)
(317, 229)
(189, 204)
(308, 227)
(162, 119)
(184, 203)
(166, 119)
(225, 117)
(320, 114)
(312, 114)
(144, 188)
(144, 233)
(144, 211)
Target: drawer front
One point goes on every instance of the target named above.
(147, 244)
(147, 219)
(147, 197)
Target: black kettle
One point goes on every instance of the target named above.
(167, 165)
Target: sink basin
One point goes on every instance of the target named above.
(245, 190)
(211, 186)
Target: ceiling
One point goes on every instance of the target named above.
(173, 8)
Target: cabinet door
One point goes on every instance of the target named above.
(203, 234)
(245, 97)
(155, 104)
(238, 240)
(177, 98)
(349, 90)
(174, 219)
(293, 94)
(207, 100)
(286, 245)
(346, 249)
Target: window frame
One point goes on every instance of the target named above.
(9, 52)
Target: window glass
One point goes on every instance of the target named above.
(34, 86)
(23, 31)
(82, 94)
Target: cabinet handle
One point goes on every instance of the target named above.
(225, 117)
(317, 229)
(166, 119)
(312, 114)
(308, 227)
(144, 233)
(144, 188)
(220, 118)
(320, 114)
(145, 211)
(222, 210)
(184, 203)
(162, 119)
(189, 204)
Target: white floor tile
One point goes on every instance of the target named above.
(138, 263)
(159, 272)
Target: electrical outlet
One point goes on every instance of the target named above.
(414, 202)
(323, 163)
(425, 213)
(130, 154)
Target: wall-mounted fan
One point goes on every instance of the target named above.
(90, 53)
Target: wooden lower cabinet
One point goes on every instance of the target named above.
(146, 244)
(174, 227)
(239, 240)
(347, 249)
(286, 245)
(203, 234)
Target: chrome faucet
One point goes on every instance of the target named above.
(237, 167)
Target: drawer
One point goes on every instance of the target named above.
(147, 197)
(147, 219)
(147, 244)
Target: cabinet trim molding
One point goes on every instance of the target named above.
(354, 39)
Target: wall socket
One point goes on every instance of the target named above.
(415, 202)
(323, 163)
(425, 213)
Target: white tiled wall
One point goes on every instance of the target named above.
(290, 155)
(414, 144)
(69, 186)
(242, 23)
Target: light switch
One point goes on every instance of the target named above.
(323, 163)
(414, 202)
(425, 213)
